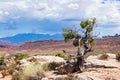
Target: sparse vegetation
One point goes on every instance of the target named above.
(82, 38)
(62, 55)
(118, 56)
(20, 56)
(2, 60)
(10, 67)
(33, 71)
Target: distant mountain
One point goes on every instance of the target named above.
(4, 42)
(31, 37)
(114, 36)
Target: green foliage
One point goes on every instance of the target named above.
(62, 55)
(20, 56)
(87, 27)
(118, 56)
(88, 24)
(75, 42)
(68, 34)
(2, 60)
(84, 24)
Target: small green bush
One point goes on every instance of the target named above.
(9, 68)
(104, 57)
(62, 55)
(20, 56)
(118, 56)
(2, 60)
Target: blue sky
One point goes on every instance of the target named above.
(50, 16)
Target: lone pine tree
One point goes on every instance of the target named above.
(81, 37)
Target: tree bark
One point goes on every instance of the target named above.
(80, 60)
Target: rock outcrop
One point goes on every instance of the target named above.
(94, 61)
(41, 60)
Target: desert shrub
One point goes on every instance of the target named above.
(33, 71)
(2, 67)
(7, 71)
(62, 55)
(9, 68)
(20, 56)
(104, 57)
(2, 60)
(45, 67)
(54, 65)
(118, 56)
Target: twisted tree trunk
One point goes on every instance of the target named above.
(80, 59)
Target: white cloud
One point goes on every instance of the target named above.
(1, 36)
(73, 6)
(117, 29)
(106, 12)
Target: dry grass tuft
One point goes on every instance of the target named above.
(118, 56)
(104, 57)
(34, 71)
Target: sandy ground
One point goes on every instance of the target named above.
(101, 73)
(94, 73)
(8, 77)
